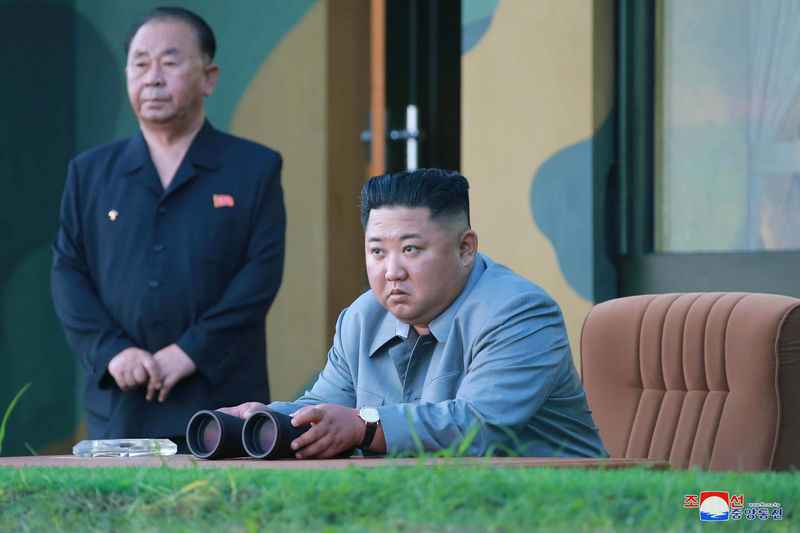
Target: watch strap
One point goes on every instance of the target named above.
(369, 434)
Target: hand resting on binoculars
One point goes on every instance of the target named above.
(243, 410)
(334, 428)
(134, 367)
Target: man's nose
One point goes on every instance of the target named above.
(154, 75)
(394, 268)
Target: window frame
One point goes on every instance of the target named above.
(640, 269)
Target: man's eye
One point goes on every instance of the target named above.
(410, 249)
(376, 251)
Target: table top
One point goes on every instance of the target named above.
(184, 461)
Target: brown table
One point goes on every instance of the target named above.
(184, 461)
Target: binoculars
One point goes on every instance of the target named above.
(264, 435)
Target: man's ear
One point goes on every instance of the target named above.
(468, 247)
(211, 75)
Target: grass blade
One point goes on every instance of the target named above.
(8, 413)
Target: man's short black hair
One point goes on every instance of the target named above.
(444, 192)
(205, 37)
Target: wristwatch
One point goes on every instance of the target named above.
(371, 418)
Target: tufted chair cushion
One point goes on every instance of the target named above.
(708, 380)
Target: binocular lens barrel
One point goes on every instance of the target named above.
(215, 435)
(265, 435)
(269, 435)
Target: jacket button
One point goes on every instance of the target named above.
(158, 247)
(153, 284)
(162, 210)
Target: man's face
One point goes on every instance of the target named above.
(416, 267)
(167, 75)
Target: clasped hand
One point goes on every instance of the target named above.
(134, 367)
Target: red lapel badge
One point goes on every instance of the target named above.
(223, 200)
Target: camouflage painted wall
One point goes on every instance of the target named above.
(536, 98)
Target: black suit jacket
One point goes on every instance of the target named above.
(198, 264)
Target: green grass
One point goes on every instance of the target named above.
(377, 499)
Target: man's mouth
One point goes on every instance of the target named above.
(397, 295)
(153, 96)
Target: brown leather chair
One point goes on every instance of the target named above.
(708, 380)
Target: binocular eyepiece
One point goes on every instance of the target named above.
(264, 435)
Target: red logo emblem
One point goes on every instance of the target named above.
(223, 200)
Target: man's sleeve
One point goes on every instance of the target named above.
(90, 331)
(334, 384)
(250, 293)
(520, 355)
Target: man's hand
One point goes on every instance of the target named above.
(132, 368)
(244, 410)
(334, 428)
(174, 365)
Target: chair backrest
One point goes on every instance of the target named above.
(708, 380)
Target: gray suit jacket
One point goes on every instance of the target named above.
(500, 379)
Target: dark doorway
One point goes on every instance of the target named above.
(423, 69)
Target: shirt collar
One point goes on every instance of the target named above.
(203, 152)
(402, 330)
(387, 330)
(135, 154)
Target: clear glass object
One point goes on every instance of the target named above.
(124, 448)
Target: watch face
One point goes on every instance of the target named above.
(369, 414)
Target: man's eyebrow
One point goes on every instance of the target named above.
(169, 51)
(402, 237)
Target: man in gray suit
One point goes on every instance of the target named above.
(448, 349)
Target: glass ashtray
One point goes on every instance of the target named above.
(125, 448)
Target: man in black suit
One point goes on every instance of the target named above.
(170, 248)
